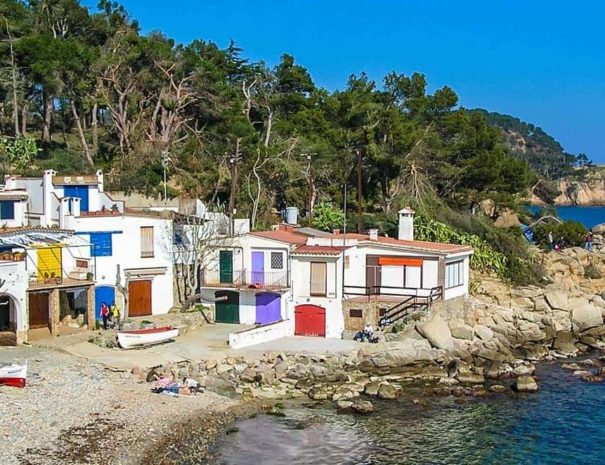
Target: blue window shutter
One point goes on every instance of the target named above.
(7, 210)
(100, 245)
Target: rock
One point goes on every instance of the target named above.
(437, 331)
(498, 388)
(565, 343)
(298, 371)
(522, 370)
(491, 355)
(525, 383)
(281, 368)
(344, 394)
(585, 317)
(371, 389)
(599, 229)
(248, 375)
(484, 333)
(363, 406)
(318, 393)
(211, 364)
(344, 406)
(461, 330)
(319, 371)
(220, 369)
(471, 378)
(388, 391)
(571, 366)
(598, 301)
(592, 379)
(557, 300)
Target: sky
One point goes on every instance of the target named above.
(541, 61)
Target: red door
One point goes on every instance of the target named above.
(309, 320)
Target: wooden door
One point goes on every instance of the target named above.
(226, 266)
(39, 310)
(227, 309)
(309, 320)
(373, 275)
(139, 298)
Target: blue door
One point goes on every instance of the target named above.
(105, 294)
(258, 268)
(268, 308)
(81, 192)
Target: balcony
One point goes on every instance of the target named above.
(78, 274)
(433, 294)
(245, 279)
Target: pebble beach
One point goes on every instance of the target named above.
(77, 411)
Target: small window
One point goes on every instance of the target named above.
(7, 210)
(356, 313)
(382, 312)
(277, 260)
(146, 241)
(319, 278)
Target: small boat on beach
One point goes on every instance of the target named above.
(146, 337)
(13, 375)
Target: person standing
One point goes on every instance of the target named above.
(115, 314)
(588, 241)
(550, 241)
(104, 314)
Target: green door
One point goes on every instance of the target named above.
(226, 266)
(227, 309)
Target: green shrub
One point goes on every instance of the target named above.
(572, 232)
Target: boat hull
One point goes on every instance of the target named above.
(13, 375)
(146, 337)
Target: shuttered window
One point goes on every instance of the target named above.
(146, 241)
(7, 210)
(100, 245)
(318, 278)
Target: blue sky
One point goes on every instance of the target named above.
(542, 61)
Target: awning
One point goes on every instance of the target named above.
(399, 261)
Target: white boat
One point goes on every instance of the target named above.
(13, 375)
(146, 337)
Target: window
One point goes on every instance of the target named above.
(454, 274)
(382, 312)
(7, 210)
(356, 313)
(100, 245)
(146, 241)
(277, 261)
(319, 277)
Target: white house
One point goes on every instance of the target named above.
(326, 283)
(45, 282)
(131, 250)
(13, 208)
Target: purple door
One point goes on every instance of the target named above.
(267, 308)
(258, 268)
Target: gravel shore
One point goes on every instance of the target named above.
(75, 411)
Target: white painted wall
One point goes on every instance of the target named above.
(20, 218)
(261, 334)
(15, 285)
(459, 291)
(126, 251)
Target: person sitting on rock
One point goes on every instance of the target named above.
(192, 386)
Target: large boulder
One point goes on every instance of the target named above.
(525, 383)
(585, 316)
(565, 343)
(363, 406)
(599, 229)
(557, 300)
(461, 330)
(388, 391)
(437, 331)
(484, 333)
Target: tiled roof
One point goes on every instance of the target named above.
(13, 194)
(280, 235)
(424, 245)
(33, 229)
(317, 250)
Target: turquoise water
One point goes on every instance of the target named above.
(588, 216)
(564, 423)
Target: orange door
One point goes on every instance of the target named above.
(139, 298)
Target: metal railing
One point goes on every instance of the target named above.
(245, 279)
(432, 293)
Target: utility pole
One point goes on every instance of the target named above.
(344, 239)
(359, 193)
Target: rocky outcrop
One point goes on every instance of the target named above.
(437, 332)
(588, 191)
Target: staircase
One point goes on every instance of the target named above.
(413, 305)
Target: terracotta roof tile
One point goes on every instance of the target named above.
(432, 246)
(289, 237)
(317, 250)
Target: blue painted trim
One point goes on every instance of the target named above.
(80, 233)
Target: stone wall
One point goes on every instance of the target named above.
(370, 313)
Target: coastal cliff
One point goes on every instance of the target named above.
(586, 190)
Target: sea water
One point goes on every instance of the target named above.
(588, 216)
(564, 423)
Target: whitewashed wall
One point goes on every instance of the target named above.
(15, 286)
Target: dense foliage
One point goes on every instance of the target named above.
(572, 232)
(533, 145)
(94, 93)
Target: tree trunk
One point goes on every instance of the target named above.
(48, 112)
(14, 80)
(233, 193)
(94, 128)
(85, 146)
(24, 119)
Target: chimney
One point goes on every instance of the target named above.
(406, 224)
(373, 234)
(336, 232)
